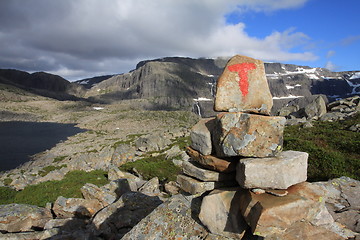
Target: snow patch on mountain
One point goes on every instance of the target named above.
(355, 76)
(288, 97)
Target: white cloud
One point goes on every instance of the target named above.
(331, 66)
(330, 53)
(94, 37)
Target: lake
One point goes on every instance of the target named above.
(20, 140)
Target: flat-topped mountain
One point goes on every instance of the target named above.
(42, 83)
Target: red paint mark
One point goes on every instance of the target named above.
(242, 70)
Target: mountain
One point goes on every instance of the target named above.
(41, 83)
(178, 83)
(89, 82)
(167, 83)
(185, 83)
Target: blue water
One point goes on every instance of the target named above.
(20, 140)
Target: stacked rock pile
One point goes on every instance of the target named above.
(242, 147)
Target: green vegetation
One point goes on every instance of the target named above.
(50, 168)
(59, 158)
(129, 140)
(49, 191)
(7, 195)
(334, 151)
(150, 167)
(158, 166)
(7, 181)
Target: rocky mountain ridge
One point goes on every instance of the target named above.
(175, 83)
(190, 83)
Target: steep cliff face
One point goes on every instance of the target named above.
(168, 83)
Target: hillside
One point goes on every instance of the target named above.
(41, 83)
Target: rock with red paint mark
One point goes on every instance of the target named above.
(279, 172)
(243, 87)
(248, 135)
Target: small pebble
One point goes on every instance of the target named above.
(258, 190)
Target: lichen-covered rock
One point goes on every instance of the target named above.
(91, 191)
(76, 207)
(248, 135)
(342, 201)
(22, 217)
(243, 87)
(212, 162)
(120, 216)
(279, 172)
(123, 153)
(152, 142)
(316, 109)
(220, 213)
(151, 187)
(171, 188)
(193, 186)
(201, 136)
(67, 224)
(194, 170)
(171, 220)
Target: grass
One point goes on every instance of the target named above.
(50, 168)
(150, 167)
(158, 166)
(129, 140)
(59, 158)
(7, 181)
(49, 191)
(334, 151)
(7, 195)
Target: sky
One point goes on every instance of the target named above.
(77, 39)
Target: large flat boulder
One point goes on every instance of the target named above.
(243, 87)
(248, 135)
(22, 217)
(76, 207)
(220, 213)
(279, 172)
(91, 191)
(201, 136)
(212, 162)
(267, 214)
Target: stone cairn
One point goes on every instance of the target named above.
(237, 155)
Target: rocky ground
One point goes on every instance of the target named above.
(108, 127)
(130, 207)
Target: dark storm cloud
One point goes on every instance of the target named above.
(89, 37)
